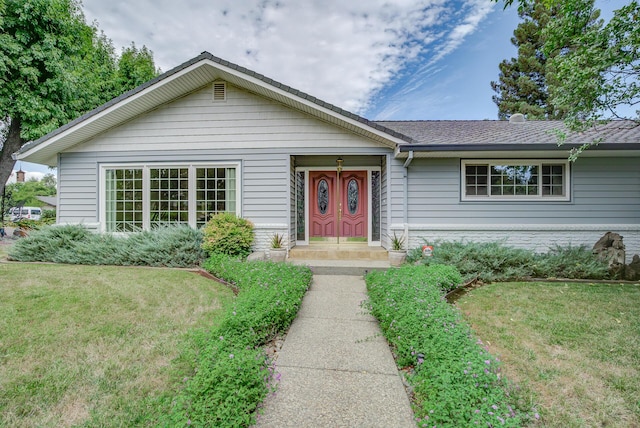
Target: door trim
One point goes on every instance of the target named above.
(368, 169)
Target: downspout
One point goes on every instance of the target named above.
(406, 198)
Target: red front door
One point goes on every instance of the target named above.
(338, 206)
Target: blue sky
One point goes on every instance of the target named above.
(384, 60)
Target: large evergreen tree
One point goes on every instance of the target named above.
(598, 78)
(53, 68)
(522, 85)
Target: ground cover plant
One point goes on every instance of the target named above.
(576, 346)
(232, 374)
(495, 261)
(170, 246)
(98, 345)
(455, 381)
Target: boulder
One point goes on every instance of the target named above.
(610, 248)
(632, 270)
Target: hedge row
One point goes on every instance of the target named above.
(171, 246)
(233, 375)
(455, 381)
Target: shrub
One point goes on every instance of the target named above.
(171, 246)
(456, 382)
(570, 262)
(232, 374)
(227, 234)
(494, 261)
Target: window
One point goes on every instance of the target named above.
(147, 196)
(123, 199)
(508, 180)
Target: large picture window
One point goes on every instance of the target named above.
(147, 196)
(508, 180)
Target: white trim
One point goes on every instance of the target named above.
(515, 198)
(146, 166)
(520, 227)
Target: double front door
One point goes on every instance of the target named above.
(338, 205)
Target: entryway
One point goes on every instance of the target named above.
(338, 206)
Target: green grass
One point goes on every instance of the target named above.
(95, 345)
(576, 347)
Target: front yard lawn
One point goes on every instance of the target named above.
(96, 345)
(574, 346)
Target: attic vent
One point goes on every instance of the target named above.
(219, 91)
(516, 118)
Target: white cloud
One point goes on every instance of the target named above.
(340, 51)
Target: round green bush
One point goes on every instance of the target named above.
(227, 234)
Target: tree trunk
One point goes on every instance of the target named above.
(11, 145)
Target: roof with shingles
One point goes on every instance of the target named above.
(497, 132)
(446, 135)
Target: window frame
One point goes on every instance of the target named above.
(515, 162)
(146, 167)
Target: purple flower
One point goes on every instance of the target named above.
(231, 355)
(221, 338)
(494, 407)
(487, 362)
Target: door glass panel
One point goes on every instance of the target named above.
(300, 214)
(352, 196)
(375, 205)
(323, 196)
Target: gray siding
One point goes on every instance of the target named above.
(264, 180)
(259, 133)
(244, 121)
(603, 191)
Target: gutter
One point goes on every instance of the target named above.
(404, 148)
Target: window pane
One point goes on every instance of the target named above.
(476, 180)
(215, 192)
(553, 180)
(513, 180)
(123, 207)
(174, 196)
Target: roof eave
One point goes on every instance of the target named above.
(440, 150)
(72, 133)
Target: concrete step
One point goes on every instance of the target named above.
(342, 267)
(338, 252)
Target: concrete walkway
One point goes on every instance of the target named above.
(337, 369)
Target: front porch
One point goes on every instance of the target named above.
(344, 251)
(350, 258)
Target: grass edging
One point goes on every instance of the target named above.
(232, 374)
(455, 381)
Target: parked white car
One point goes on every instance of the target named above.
(26, 213)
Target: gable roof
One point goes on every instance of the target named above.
(404, 136)
(186, 78)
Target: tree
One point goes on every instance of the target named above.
(593, 75)
(522, 85)
(135, 67)
(525, 82)
(25, 194)
(598, 79)
(53, 68)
